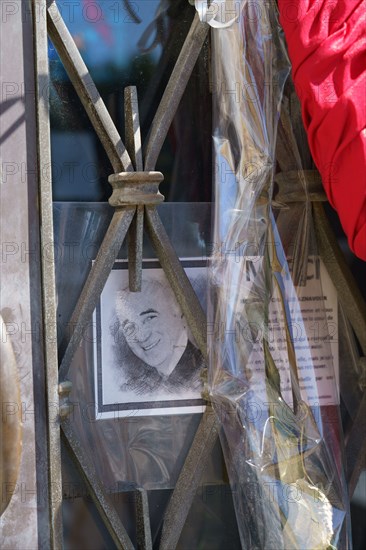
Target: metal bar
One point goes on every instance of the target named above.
(87, 91)
(189, 479)
(287, 151)
(348, 292)
(48, 275)
(289, 159)
(134, 147)
(132, 128)
(356, 447)
(177, 278)
(88, 474)
(135, 244)
(94, 285)
(144, 540)
(174, 90)
(349, 362)
(130, 8)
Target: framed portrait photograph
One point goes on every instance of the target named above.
(146, 361)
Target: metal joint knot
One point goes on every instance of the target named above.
(135, 188)
(299, 186)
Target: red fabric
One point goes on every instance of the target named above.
(326, 43)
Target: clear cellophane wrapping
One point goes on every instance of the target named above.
(281, 432)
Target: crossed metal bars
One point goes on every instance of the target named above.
(134, 198)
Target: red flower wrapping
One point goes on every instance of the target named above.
(326, 42)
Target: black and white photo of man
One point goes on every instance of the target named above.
(146, 360)
(154, 329)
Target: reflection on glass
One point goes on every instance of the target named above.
(110, 34)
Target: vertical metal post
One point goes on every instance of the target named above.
(134, 148)
(47, 272)
(26, 521)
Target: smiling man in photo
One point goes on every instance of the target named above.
(153, 327)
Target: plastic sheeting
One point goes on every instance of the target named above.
(271, 379)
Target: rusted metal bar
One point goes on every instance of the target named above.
(132, 128)
(356, 447)
(87, 91)
(350, 374)
(48, 274)
(287, 151)
(177, 278)
(88, 474)
(305, 187)
(174, 90)
(94, 285)
(134, 147)
(348, 292)
(135, 244)
(130, 8)
(189, 480)
(144, 541)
